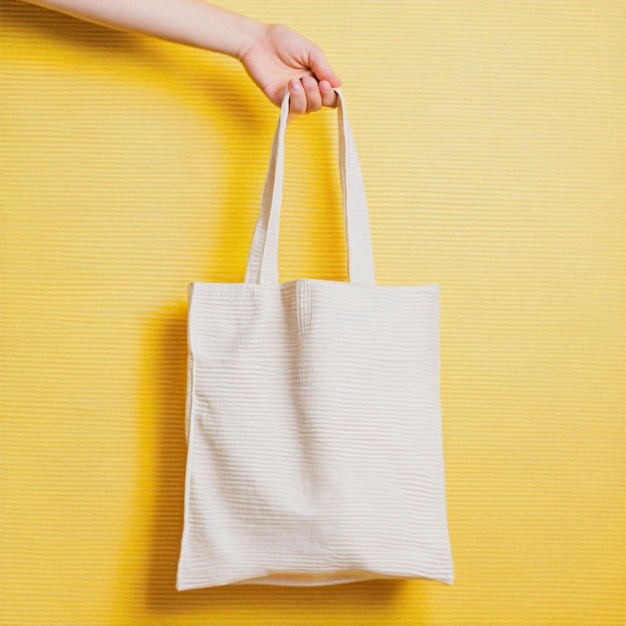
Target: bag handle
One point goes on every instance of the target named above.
(263, 260)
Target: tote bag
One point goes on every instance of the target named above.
(313, 416)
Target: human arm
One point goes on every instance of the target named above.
(274, 56)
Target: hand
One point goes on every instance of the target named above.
(281, 57)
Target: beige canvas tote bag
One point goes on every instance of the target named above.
(313, 417)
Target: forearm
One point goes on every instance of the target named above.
(190, 22)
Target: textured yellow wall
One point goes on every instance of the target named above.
(491, 138)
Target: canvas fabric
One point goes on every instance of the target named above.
(313, 416)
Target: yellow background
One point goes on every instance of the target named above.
(491, 139)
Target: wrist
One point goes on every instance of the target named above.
(249, 33)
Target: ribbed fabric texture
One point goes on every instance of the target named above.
(315, 438)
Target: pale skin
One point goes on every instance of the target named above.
(274, 56)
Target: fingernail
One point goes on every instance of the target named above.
(295, 84)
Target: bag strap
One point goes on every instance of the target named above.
(263, 260)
